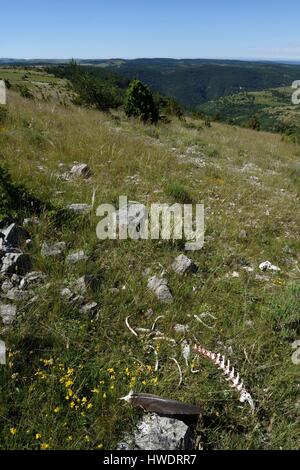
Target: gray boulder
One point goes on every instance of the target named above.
(159, 433)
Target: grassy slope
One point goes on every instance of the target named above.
(103, 358)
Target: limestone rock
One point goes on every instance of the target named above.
(183, 265)
(267, 266)
(89, 308)
(18, 263)
(76, 257)
(159, 433)
(81, 170)
(80, 208)
(15, 235)
(160, 288)
(34, 278)
(54, 250)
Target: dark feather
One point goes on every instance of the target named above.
(162, 406)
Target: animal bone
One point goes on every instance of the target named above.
(230, 375)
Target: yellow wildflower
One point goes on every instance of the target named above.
(38, 436)
(47, 362)
(44, 446)
(13, 431)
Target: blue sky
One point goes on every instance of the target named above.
(166, 28)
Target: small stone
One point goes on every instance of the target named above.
(114, 290)
(267, 266)
(66, 293)
(76, 257)
(18, 295)
(55, 250)
(32, 279)
(8, 313)
(85, 282)
(248, 269)
(149, 313)
(6, 286)
(243, 234)
(182, 329)
(235, 274)
(160, 288)
(88, 308)
(31, 221)
(183, 265)
(259, 277)
(80, 208)
(81, 170)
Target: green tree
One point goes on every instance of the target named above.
(139, 102)
(254, 123)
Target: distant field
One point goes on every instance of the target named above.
(37, 82)
(273, 109)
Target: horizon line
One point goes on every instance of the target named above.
(245, 59)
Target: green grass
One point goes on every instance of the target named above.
(59, 356)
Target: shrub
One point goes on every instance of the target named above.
(139, 102)
(212, 153)
(3, 114)
(254, 123)
(25, 92)
(90, 90)
(179, 193)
